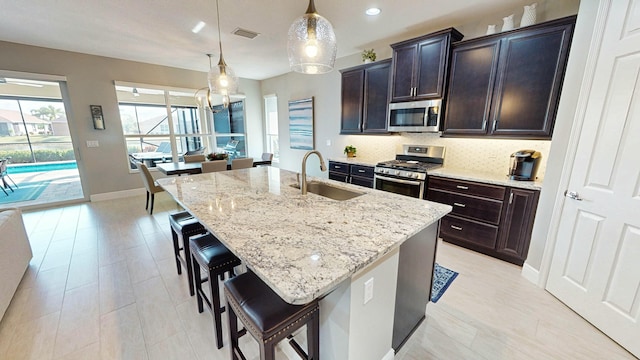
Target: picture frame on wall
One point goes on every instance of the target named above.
(301, 124)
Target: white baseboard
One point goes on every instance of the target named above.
(530, 273)
(390, 355)
(117, 194)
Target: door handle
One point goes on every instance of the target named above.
(573, 195)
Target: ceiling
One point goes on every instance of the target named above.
(159, 31)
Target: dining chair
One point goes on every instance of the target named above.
(150, 184)
(242, 163)
(214, 165)
(194, 158)
(267, 156)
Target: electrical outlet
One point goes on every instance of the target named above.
(93, 143)
(368, 290)
(328, 142)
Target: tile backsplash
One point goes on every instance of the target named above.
(482, 154)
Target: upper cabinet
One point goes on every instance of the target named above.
(420, 65)
(508, 85)
(365, 97)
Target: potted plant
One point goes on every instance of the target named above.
(368, 56)
(350, 150)
(217, 156)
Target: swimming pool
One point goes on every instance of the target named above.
(41, 167)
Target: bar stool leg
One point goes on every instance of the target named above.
(217, 312)
(176, 251)
(189, 262)
(233, 333)
(198, 283)
(313, 337)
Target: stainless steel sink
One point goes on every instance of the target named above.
(330, 191)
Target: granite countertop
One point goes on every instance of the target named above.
(490, 178)
(302, 246)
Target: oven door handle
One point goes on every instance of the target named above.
(408, 182)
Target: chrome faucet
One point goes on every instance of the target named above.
(323, 167)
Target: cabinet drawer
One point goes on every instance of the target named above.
(362, 171)
(366, 182)
(467, 187)
(338, 176)
(468, 231)
(469, 206)
(338, 167)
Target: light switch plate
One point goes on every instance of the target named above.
(368, 290)
(93, 143)
(328, 142)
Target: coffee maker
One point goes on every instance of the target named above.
(524, 165)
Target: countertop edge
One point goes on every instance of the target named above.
(489, 178)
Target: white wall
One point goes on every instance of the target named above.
(90, 80)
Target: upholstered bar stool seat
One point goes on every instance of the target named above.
(268, 318)
(209, 253)
(183, 226)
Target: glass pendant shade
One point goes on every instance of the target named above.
(311, 43)
(222, 80)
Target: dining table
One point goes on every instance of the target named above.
(180, 167)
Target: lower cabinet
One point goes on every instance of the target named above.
(494, 220)
(351, 173)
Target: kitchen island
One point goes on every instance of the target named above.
(309, 246)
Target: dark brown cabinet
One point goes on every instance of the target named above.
(351, 173)
(508, 85)
(491, 219)
(365, 97)
(517, 224)
(419, 66)
(338, 171)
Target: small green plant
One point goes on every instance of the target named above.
(369, 54)
(350, 150)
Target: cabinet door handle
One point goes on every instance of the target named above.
(510, 198)
(460, 205)
(484, 124)
(337, 167)
(361, 171)
(462, 187)
(456, 227)
(495, 124)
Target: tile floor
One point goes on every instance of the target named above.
(103, 284)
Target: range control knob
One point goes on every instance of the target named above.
(397, 172)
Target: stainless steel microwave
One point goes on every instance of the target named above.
(415, 116)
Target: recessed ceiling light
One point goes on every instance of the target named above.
(199, 26)
(372, 11)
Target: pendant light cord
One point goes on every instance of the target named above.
(221, 62)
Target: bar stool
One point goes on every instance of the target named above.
(268, 318)
(209, 253)
(183, 226)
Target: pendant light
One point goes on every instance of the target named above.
(312, 43)
(222, 80)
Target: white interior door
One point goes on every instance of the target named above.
(595, 268)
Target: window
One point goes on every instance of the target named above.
(230, 130)
(162, 124)
(33, 128)
(271, 126)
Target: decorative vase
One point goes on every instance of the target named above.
(529, 15)
(366, 61)
(508, 23)
(491, 29)
(351, 154)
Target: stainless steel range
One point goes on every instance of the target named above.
(408, 173)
